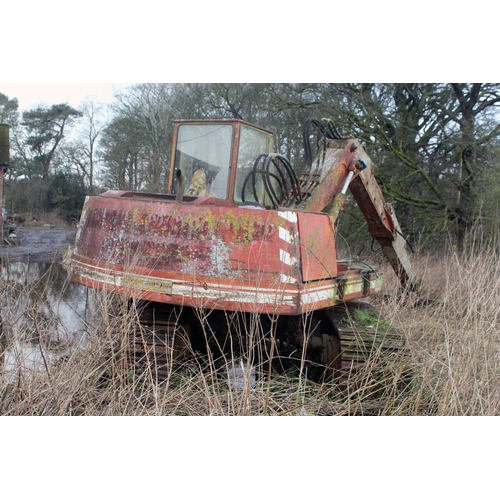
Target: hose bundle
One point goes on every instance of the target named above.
(278, 179)
(325, 129)
(281, 187)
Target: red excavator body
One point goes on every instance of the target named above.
(238, 230)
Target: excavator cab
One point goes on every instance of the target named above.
(215, 159)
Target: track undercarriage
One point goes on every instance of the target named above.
(327, 345)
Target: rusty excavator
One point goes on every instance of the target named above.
(239, 257)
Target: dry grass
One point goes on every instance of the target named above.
(450, 367)
(454, 337)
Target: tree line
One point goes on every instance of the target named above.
(435, 145)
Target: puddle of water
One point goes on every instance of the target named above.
(43, 313)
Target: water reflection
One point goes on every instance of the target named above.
(44, 313)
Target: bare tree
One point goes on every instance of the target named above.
(147, 107)
(82, 152)
(425, 140)
(472, 101)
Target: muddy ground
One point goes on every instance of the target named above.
(38, 245)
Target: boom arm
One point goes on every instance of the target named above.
(344, 163)
(382, 223)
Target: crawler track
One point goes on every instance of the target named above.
(365, 345)
(163, 339)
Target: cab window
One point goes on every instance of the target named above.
(253, 143)
(203, 155)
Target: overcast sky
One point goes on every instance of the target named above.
(31, 94)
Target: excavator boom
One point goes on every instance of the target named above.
(342, 164)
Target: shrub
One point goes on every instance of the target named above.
(65, 196)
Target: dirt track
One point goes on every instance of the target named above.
(38, 245)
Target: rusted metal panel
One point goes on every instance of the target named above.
(381, 218)
(182, 239)
(317, 246)
(244, 259)
(189, 252)
(369, 198)
(331, 175)
(330, 170)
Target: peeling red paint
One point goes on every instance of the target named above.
(286, 259)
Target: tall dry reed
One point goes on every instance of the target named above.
(450, 364)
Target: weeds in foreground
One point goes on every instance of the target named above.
(450, 365)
